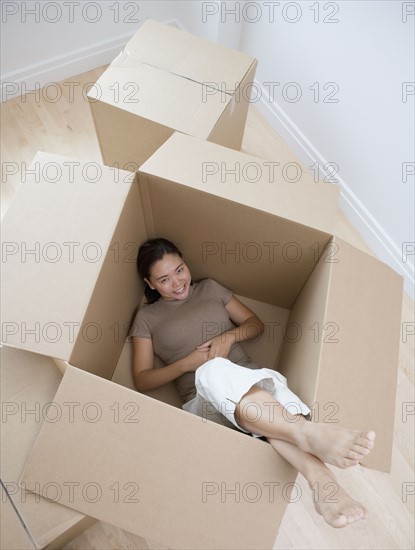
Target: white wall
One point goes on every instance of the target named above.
(369, 132)
(368, 54)
(47, 41)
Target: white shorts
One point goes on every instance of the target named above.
(220, 385)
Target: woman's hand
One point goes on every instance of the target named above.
(220, 346)
(195, 359)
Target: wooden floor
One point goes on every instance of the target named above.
(65, 126)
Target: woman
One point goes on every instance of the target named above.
(215, 377)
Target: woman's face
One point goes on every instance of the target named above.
(171, 277)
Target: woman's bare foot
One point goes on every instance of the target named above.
(333, 503)
(337, 446)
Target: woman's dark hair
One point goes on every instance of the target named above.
(150, 252)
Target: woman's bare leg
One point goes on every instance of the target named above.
(260, 413)
(330, 499)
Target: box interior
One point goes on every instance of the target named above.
(280, 253)
(263, 351)
(264, 258)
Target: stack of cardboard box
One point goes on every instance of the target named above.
(94, 446)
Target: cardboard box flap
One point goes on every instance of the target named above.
(344, 364)
(229, 129)
(116, 293)
(56, 236)
(157, 471)
(187, 107)
(360, 346)
(13, 535)
(246, 179)
(115, 126)
(28, 384)
(189, 56)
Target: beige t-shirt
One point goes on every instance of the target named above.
(178, 327)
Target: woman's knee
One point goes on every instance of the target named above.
(249, 408)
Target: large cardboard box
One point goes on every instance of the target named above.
(158, 471)
(166, 80)
(28, 384)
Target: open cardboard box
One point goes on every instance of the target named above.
(165, 80)
(28, 384)
(160, 472)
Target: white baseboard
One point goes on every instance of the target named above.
(55, 69)
(357, 213)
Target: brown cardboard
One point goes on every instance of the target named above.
(160, 472)
(230, 128)
(187, 55)
(13, 535)
(168, 80)
(337, 361)
(58, 308)
(242, 179)
(28, 384)
(174, 200)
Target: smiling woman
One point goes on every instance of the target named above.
(172, 284)
(217, 380)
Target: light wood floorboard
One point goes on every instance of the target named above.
(65, 127)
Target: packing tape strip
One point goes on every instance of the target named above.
(126, 60)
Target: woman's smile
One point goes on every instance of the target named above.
(180, 290)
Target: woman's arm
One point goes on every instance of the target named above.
(249, 326)
(146, 377)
